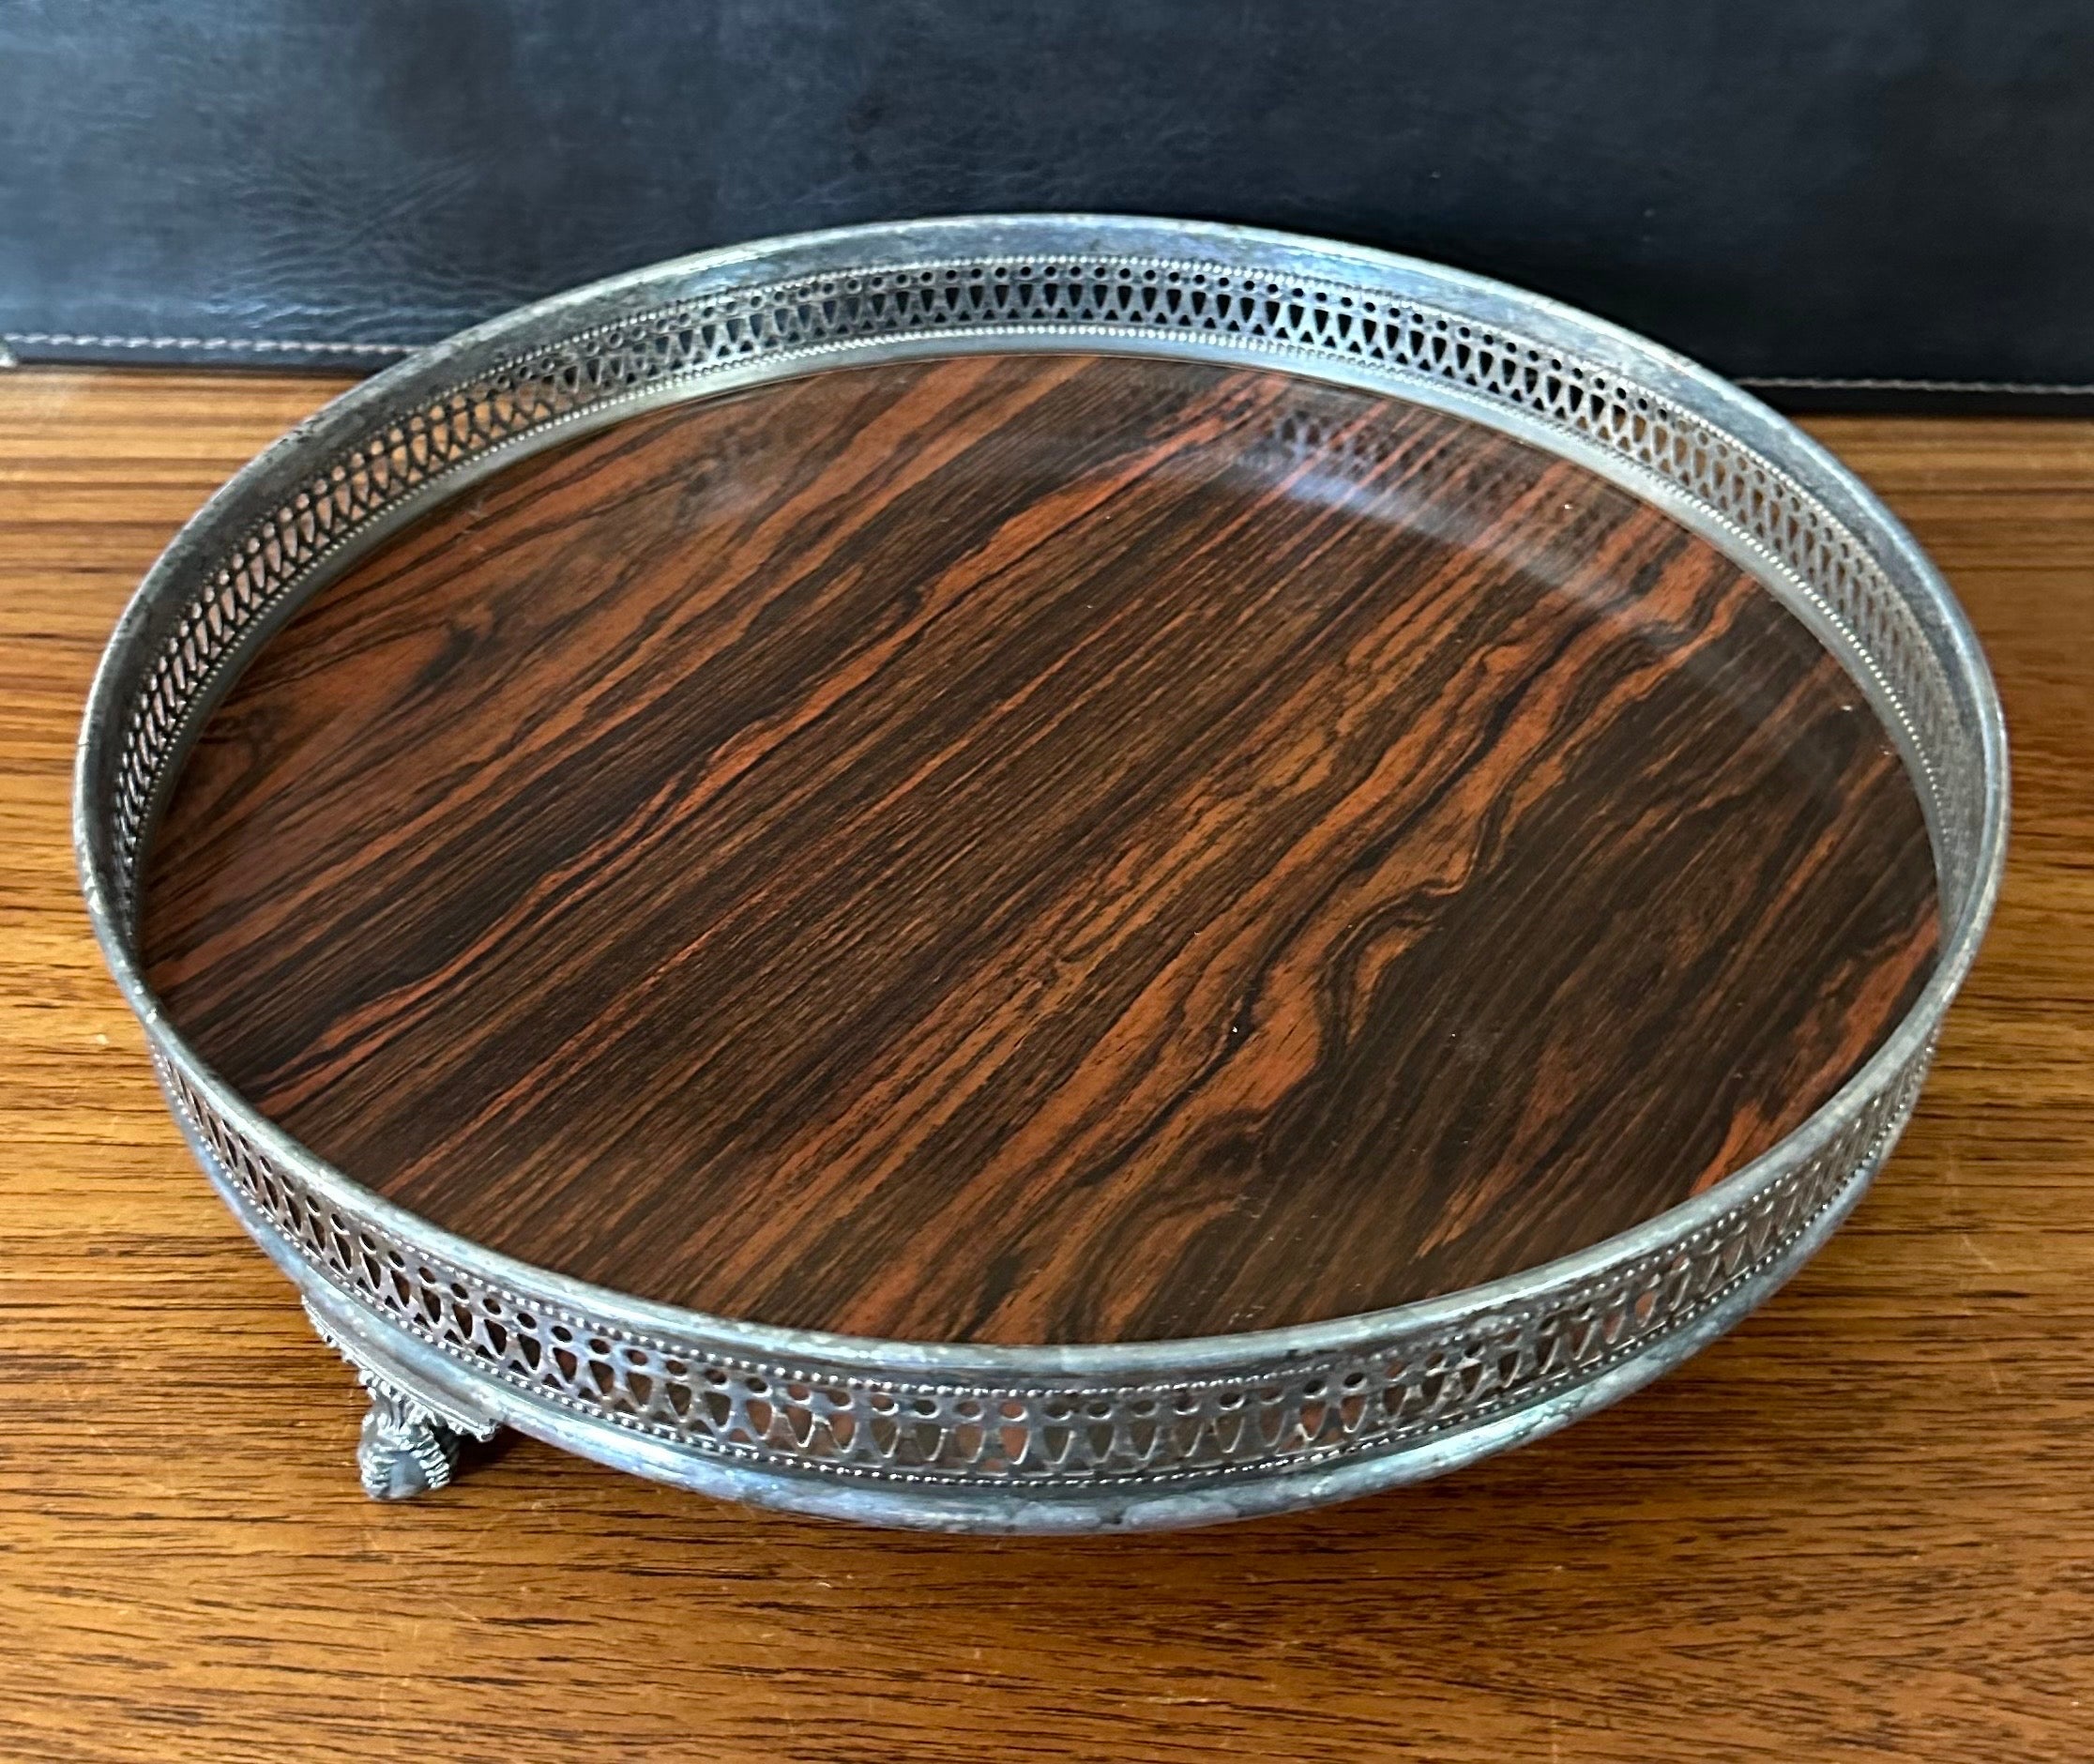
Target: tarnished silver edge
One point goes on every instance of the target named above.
(385, 1357)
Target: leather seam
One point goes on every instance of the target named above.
(81, 340)
(1918, 386)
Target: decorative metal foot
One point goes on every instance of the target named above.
(403, 1450)
(412, 1433)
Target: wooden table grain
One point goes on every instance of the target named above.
(1860, 1526)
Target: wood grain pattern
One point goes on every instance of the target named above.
(1857, 1528)
(1042, 849)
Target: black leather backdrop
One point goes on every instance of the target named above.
(1790, 190)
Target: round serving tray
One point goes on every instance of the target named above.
(1038, 873)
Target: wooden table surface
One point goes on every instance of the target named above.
(1860, 1526)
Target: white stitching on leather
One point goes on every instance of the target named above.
(1919, 385)
(205, 342)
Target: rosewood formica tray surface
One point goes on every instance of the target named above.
(1084, 928)
(1040, 850)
